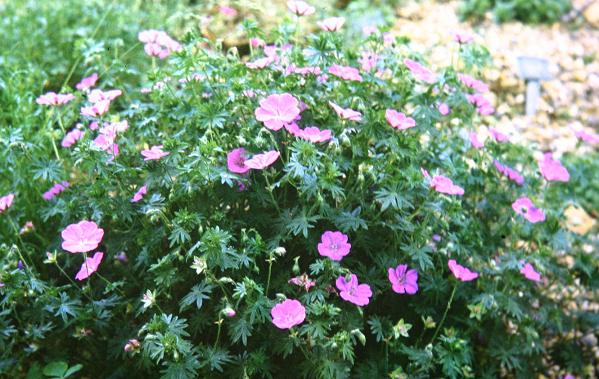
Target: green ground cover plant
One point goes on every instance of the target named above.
(322, 208)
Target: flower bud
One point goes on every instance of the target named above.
(229, 312)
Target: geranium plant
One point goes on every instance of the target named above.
(333, 211)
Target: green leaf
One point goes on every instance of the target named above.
(56, 369)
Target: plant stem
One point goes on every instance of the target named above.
(444, 314)
(72, 281)
(220, 323)
(270, 260)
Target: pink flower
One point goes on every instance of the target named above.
(257, 42)
(345, 72)
(476, 143)
(553, 170)
(445, 185)
(98, 95)
(52, 98)
(334, 245)
(6, 202)
(158, 43)
(470, 82)
(419, 71)
(288, 314)
(81, 237)
(352, 291)
(346, 113)
(331, 24)
(303, 281)
(55, 190)
(227, 11)
(294, 129)
(27, 227)
(512, 174)
(261, 161)
(71, 137)
(368, 61)
(524, 206)
(97, 109)
(236, 161)
(154, 153)
(460, 272)
(425, 173)
(139, 194)
(463, 38)
(89, 266)
(399, 120)
(229, 312)
(403, 280)
(259, 63)
(300, 8)
(444, 109)
(132, 345)
(482, 104)
(369, 29)
(499, 136)
(530, 273)
(315, 135)
(277, 110)
(592, 138)
(88, 82)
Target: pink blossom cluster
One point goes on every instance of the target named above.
(399, 120)
(345, 72)
(237, 162)
(55, 190)
(419, 71)
(158, 44)
(106, 139)
(72, 137)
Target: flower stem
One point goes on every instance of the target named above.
(270, 260)
(72, 281)
(444, 315)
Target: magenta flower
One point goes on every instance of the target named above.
(259, 63)
(141, 192)
(346, 113)
(403, 280)
(52, 98)
(81, 237)
(334, 245)
(227, 11)
(96, 109)
(277, 110)
(158, 43)
(482, 104)
(331, 24)
(475, 142)
(592, 138)
(87, 82)
(463, 38)
(499, 136)
(314, 134)
(6, 202)
(477, 85)
(419, 71)
(352, 291)
(154, 153)
(300, 8)
(98, 95)
(303, 281)
(530, 273)
(445, 185)
(236, 161)
(368, 61)
(55, 190)
(294, 129)
(509, 172)
(553, 170)
(399, 120)
(261, 161)
(71, 137)
(89, 266)
(257, 42)
(444, 109)
(460, 272)
(524, 207)
(345, 72)
(288, 314)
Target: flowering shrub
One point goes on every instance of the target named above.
(332, 212)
